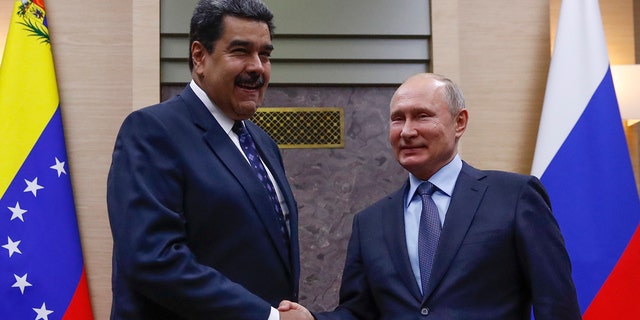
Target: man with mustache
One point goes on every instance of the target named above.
(203, 219)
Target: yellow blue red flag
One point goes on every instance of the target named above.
(42, 274)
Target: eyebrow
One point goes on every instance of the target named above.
(244, 43)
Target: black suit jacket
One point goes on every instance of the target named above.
(195, 235)
(500, 252)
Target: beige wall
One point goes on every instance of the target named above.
(618, 21)
(5, 15)
(498, 51)
(107, 64)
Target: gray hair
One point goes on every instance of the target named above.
(451, 93)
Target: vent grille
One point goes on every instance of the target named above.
(308, 127)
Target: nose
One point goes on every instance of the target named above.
(408, 130)
(255, 64)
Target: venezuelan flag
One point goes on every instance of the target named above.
(42, 273)
(582, 159)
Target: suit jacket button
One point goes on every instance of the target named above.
(424, 311)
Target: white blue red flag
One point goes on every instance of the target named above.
(583, 160)
(42, 273)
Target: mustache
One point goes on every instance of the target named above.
(250, 80)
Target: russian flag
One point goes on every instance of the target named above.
(582, 159)
(42, 274)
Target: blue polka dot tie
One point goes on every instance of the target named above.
(250, 151)
(429, 233)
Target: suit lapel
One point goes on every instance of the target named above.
(465, 201)
(231, 157)
(394, 233)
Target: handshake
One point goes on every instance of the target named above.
(293, 311)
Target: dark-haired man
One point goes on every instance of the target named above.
(203, 219)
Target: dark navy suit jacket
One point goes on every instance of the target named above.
(500, 252)
(195, 235)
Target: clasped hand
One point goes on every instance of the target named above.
(293, 311)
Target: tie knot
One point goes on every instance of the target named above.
(426, 188)
(238, 128)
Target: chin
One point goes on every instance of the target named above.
(410, 164)
(245, 112)
(248, 106)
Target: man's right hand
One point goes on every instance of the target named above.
(293, 311)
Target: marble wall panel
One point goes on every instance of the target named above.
(331, 185)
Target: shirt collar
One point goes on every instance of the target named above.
(445, 179)
(225, 122)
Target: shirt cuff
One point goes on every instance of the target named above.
(274, 315)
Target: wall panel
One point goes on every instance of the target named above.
(5, 15)
(322, 42)
(92, 54)
(499, 53)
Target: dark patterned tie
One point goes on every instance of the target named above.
(250, 151)
(429, 232)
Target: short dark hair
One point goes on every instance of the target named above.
(206, 21)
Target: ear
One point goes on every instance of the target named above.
(461, 122)
(198, 54)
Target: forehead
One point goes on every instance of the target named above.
(417, 93)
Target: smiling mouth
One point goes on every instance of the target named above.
(407, 147)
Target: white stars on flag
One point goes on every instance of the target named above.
(47, 181)
(17, 212)
(42, 312)
(12, 246)
(59, 167)
(21, 282)
(32, 186)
